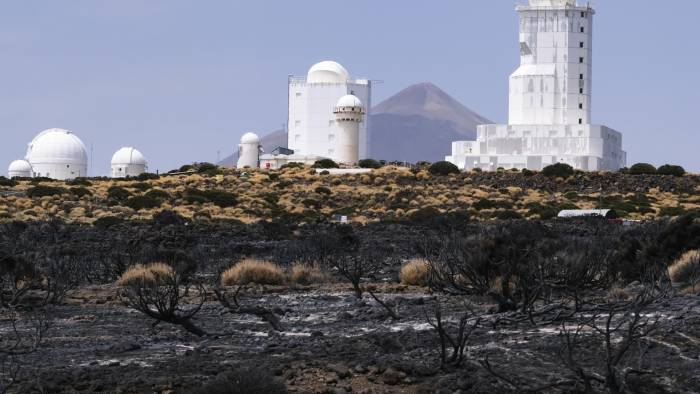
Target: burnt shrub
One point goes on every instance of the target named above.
(669, 169)
(325, 163)
(118, 193)
(642, 169)
(143, 186)
(80, 192)
(138, 203)
(244, 381)
(558, 170)
(443, 168)
(44, 191)
(369, 163)
(672, 211)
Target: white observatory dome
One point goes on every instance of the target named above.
(349, 101)
(20, 169)
(249, 151)
(250, 138)
(128, 162)
(57, 154)
(328, 72)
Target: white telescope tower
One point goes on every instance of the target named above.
(349, 114)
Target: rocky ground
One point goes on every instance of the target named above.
(334, 343)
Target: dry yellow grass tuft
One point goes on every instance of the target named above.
(686, 270)
(618, 294)
(253, 271)
(305, 274)
(145, 274)
(415, 273)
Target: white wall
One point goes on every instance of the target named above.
(313, 129)
(61, 171)
(125, 170)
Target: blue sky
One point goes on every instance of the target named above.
(183, 79)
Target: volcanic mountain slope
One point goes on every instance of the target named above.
(420, 123)
(417, 124)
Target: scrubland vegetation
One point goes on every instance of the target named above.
(299, 194)
(212, 281)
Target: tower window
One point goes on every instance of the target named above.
(580, 91)
(583, 15)
(580, 60)
(580, 76)
(580, 44)
(580, 106)
(580, 121)
(583, 29)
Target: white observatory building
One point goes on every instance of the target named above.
(313, 125)
(249, 151)
(20, 169)
(549, 101)
(57, 154)
(349, 115)
(128, 162)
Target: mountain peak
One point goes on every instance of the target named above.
(429, 101)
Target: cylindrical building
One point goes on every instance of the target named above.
(20, 169)
(249, 151)
(128, 162)
(57, 154)
(349, 113)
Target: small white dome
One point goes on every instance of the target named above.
(327, 72)
(250, 138)
(57, 146)
(128, 156)
(349, 101)
(20, 168)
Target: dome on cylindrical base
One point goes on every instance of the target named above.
(128, 162)
(20, 169)
(58, 154)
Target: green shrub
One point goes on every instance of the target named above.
(558, 170)
(642, 169)
(369, 163)
(219, 197)
(143, 186)
(668, 169)
(146, 176)
(79, 182)
(158, 194)
(477, 170)
(244, 381)
(293, 165)
(544, 212)
(323, 190)
(509, 215)
(325, 163)
(118, 193)
(205, 167)
(80, 192)
(7, 182)
(43, 191)
(443, 168)
(672, 211)
(107, 221)
(138, 203)
(527, 172)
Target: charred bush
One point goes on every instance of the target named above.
(443, 168)
(558, 170)
(45, 191)
(118, 194)
(138, 203)
(244, 381)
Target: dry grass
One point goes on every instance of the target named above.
(140, 274)
(619, 294)
(305, 274)
(415, 273)
(686, 270)
(253, 271)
